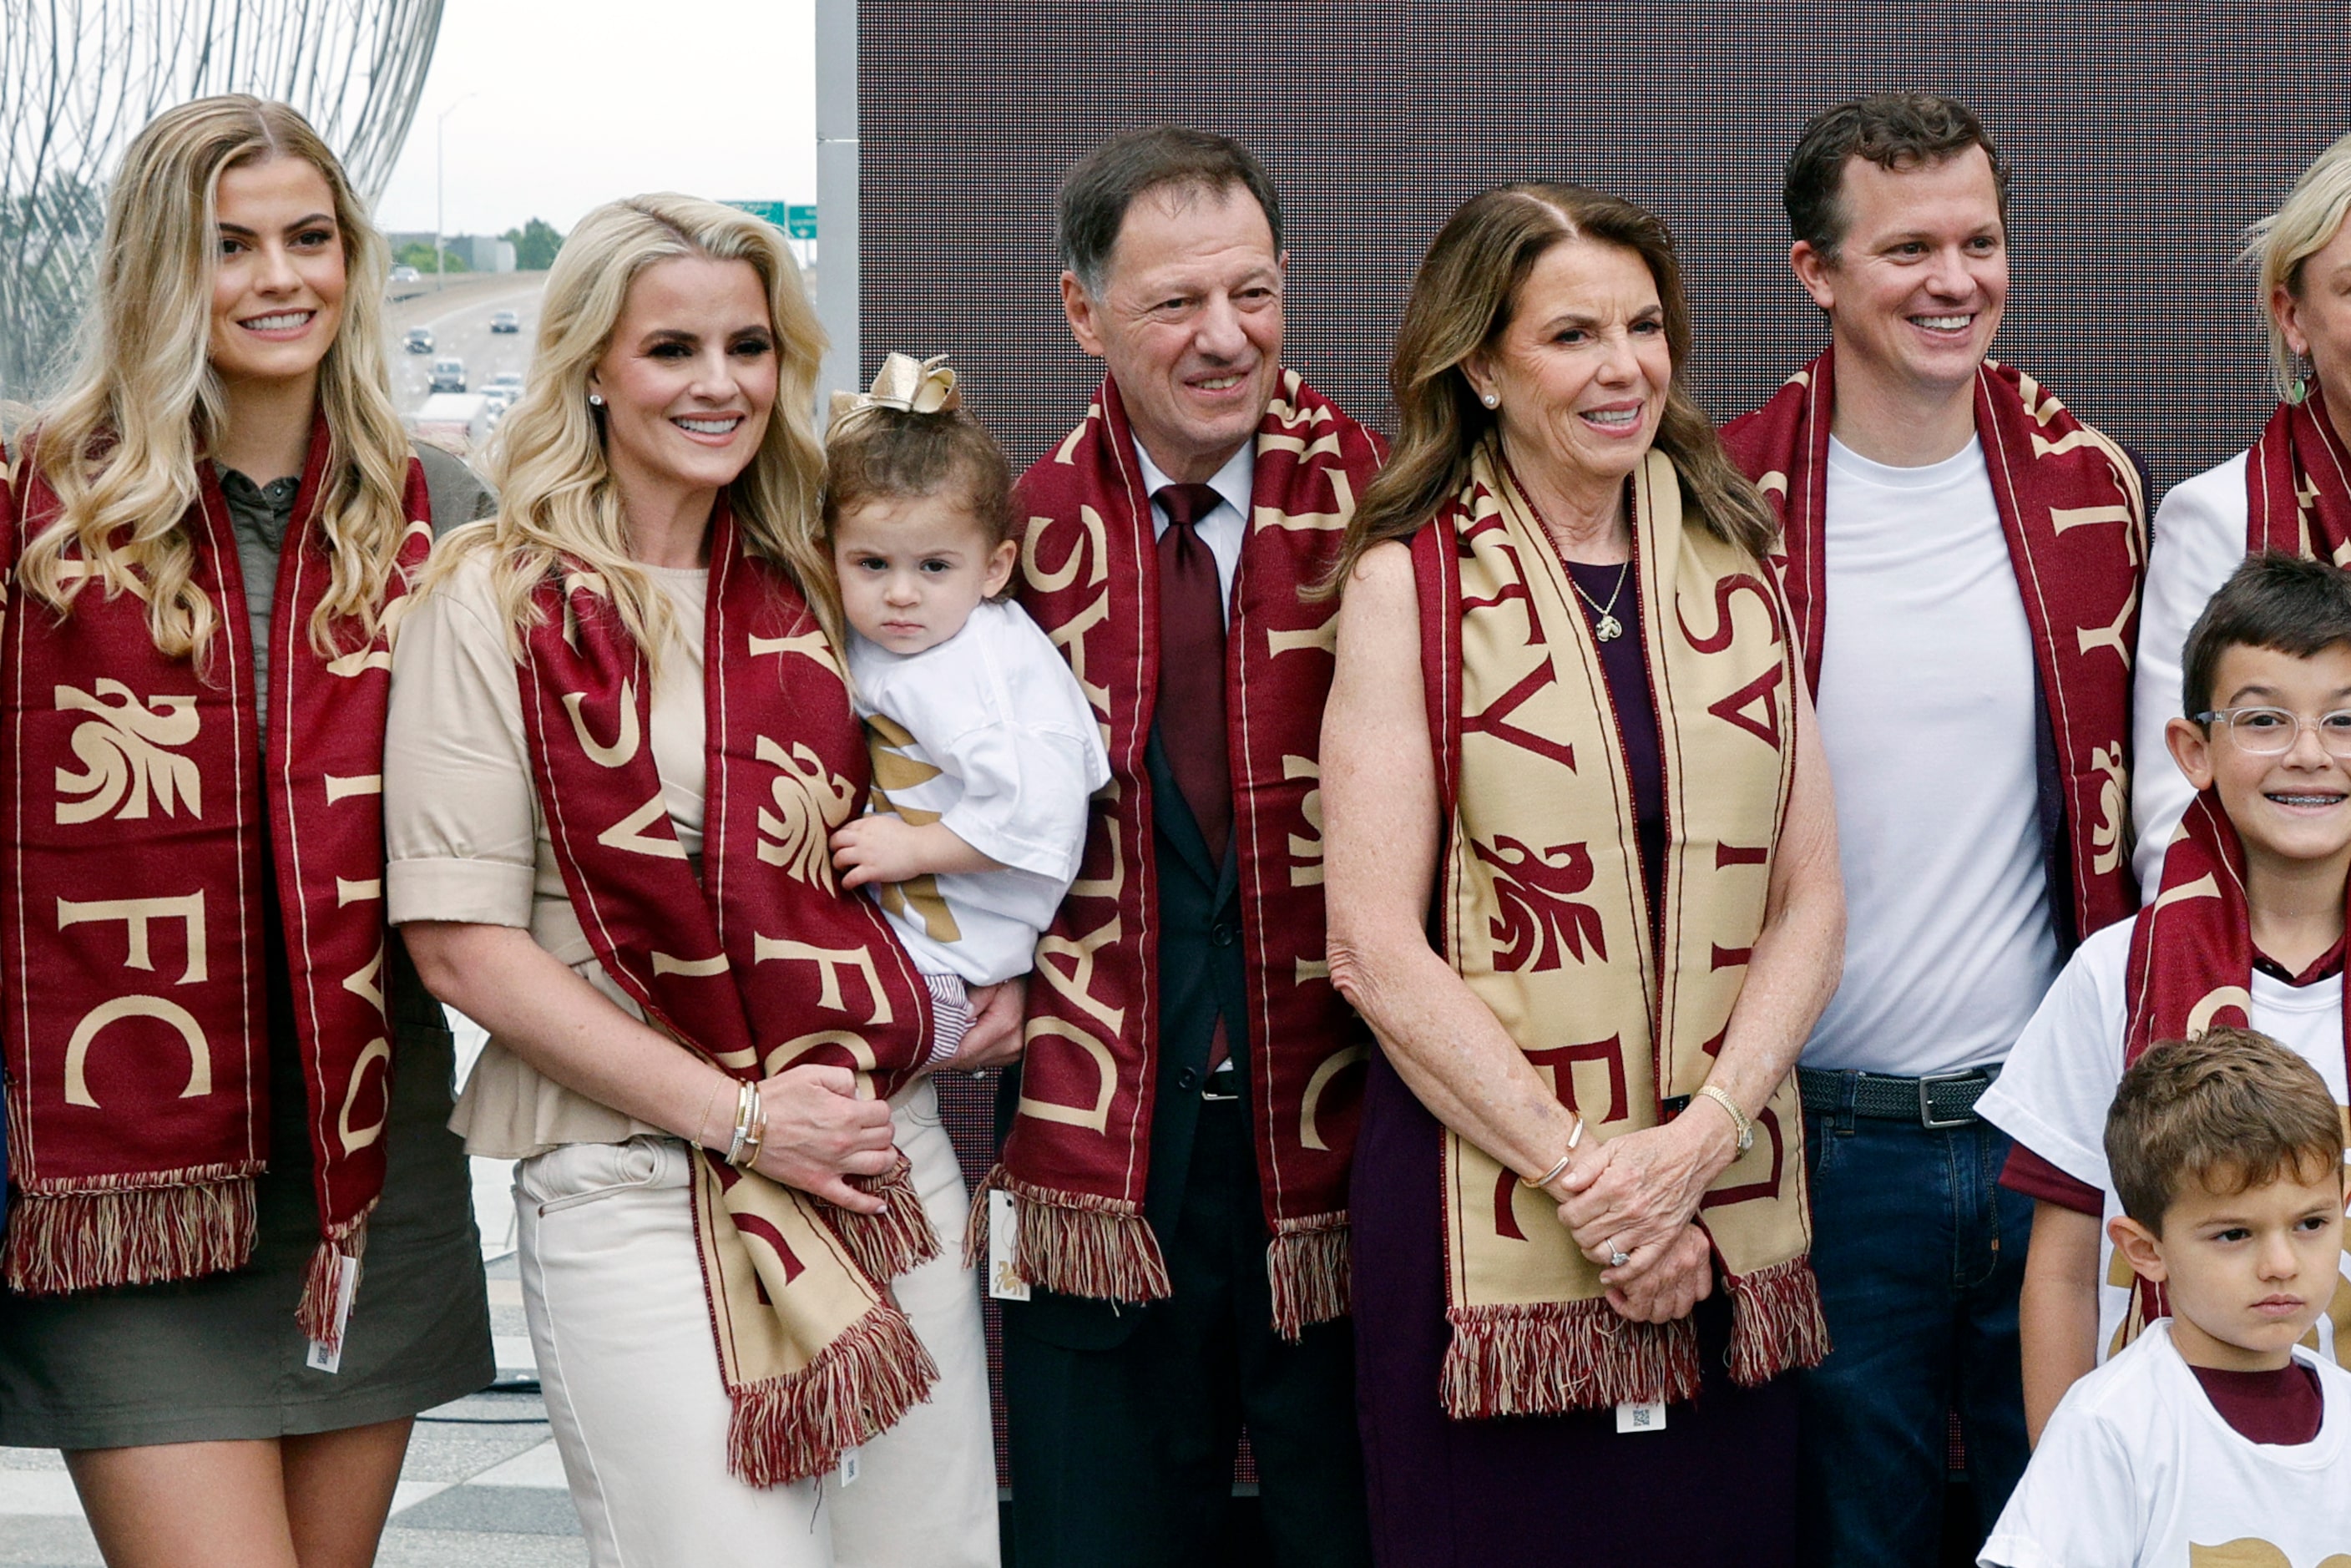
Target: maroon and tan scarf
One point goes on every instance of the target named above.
(2191, 968)
(138, 792)
(2060, 485)
(1554, 932)
(1077, 1162)
(760, 964)
(2298, 485)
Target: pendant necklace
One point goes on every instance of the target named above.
(1608, 628)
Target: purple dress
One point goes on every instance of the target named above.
(1718, 1485)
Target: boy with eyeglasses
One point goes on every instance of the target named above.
(2246, 931)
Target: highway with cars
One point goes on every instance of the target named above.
(458, 316)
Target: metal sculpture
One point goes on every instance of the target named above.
(79, 78)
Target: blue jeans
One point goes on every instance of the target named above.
(1920, 1254)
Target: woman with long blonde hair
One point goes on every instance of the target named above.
(241, 1258)
(620, 738)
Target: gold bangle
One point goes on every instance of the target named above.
(1574, 1136)
(1745, 1128)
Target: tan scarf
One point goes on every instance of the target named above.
(762, 964)
(1528, 760)
(140, 794)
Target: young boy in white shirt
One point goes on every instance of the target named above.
(2214, 1439)
(2247, 930)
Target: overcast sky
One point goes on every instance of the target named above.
(574, 102)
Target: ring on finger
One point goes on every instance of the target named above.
(1617, 1257)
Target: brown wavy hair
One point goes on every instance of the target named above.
(1464, 298)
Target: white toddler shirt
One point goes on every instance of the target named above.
(1928, 720)
(2054, 1094)
(995, 741)
(2138, 1470)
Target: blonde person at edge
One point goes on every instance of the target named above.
(2297, 476)
(668, 409)
(229, 421)
(985, 749)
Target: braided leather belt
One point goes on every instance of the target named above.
(1937, 1100)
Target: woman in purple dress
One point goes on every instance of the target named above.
(1583, 883)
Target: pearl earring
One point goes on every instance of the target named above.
(595, 400)
(1492, 400)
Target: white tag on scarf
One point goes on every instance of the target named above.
(1004, 1280)
(849, 1467)
(347, 1279)
(1644, 1415)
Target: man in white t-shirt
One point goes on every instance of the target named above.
(1962, 559)
(2214, 1439)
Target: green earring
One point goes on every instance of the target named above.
(2299, 388)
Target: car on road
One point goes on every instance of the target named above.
(455, 423)
(504, 322)
(500, 399)
(419, 340)
(511, 380)
(405, 274)
(448, 375)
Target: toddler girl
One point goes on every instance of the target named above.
(984, 750)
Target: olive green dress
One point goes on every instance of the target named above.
(220, 1357)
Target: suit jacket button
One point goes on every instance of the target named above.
(1187, 1079)
(1223, 933)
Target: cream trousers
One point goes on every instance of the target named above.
(613, 1289)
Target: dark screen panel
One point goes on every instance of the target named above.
(2143, 139)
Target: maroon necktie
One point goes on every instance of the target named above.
(1192, 665)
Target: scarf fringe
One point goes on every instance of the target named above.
(323, 1279)
(1308, 1265)
(1549, 1358)
(1776, 1322)
(886, 1245)
(788, 1428)
(1074, 1243)
(108, 1231)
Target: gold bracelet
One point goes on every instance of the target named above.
(1739, 1121)
(1574, 1136)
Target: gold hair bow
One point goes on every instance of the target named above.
(904, 383)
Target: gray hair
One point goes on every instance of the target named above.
(1097, 193)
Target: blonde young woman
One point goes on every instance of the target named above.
(620, 738)
(226, 1086)
(2290, 491)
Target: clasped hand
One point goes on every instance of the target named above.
(1637, 1193)
(820, 1133)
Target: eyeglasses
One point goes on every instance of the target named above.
(2272, 731)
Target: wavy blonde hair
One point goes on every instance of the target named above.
(120, 444)
(556, 501)
(2305, 224)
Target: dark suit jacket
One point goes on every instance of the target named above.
(1200, 975)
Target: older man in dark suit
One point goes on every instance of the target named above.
(1179, 1133)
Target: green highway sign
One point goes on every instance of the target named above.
(798, 222)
